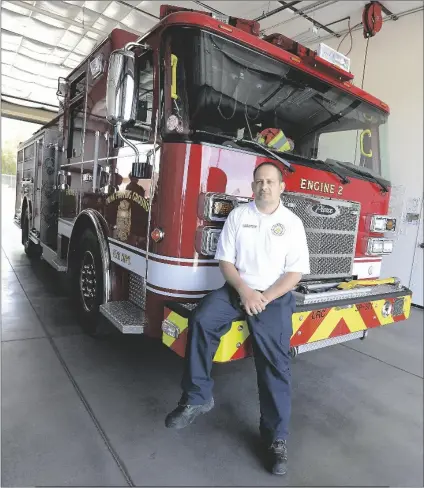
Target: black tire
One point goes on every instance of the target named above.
(88, 283)
(32, 250)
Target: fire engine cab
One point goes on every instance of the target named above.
(126, 190)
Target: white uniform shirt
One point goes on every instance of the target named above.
(263, 247)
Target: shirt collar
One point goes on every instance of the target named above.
(266, 216)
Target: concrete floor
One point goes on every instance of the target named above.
(77, 411)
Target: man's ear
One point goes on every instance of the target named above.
(282, 187)
(253, 186)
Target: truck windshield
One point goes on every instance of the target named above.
(218, 88)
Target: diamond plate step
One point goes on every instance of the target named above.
(125, 316)
(53, 259)
(60, 265)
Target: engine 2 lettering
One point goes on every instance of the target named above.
(330, 188)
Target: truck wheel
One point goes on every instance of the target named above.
(31, 249)
(88, 283)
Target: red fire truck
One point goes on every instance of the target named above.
(126, 190)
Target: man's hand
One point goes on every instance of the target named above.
(253, 301)
(283, 285)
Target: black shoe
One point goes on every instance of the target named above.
(278, 457)
(184, 415)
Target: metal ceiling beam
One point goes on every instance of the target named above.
(311, 8)
(207, 7)
(44, 104)
(27, 114)
(338, 21)
(310, 19)
(388, 12)
(276, 10)
(385, 19)
(144, 12)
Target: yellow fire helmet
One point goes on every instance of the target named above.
(275, 139)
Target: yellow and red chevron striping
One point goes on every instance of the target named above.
(366, 311)
(321, 324)
(236, 344)
(308, 326)
(340, 329)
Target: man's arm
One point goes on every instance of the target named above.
(283, 285)
(226, 254)
(253, 301)
(232, 276)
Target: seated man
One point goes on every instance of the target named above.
(262, 253)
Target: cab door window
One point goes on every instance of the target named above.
(141, 129)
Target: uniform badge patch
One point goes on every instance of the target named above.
(278, 229)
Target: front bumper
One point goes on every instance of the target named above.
(315, 325)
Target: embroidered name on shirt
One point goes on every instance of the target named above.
(250, 226)
(278, 229)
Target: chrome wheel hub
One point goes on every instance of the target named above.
(88, 284)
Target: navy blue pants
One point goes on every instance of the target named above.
(271, 331)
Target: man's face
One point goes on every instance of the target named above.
(267, 186)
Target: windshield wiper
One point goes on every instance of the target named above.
(354, 169)
(343, 178)
(297, 157)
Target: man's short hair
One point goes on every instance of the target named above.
(266, 163)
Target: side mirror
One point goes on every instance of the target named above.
(121, 100)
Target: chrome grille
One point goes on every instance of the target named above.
(320, 266)
(330, 243)
(136, 290)
(331, 236)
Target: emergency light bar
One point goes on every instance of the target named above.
(333, 57)
(325, 59)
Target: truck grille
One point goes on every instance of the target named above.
(331, 230)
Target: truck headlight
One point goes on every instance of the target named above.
(376, 246)
(382, 223)
(207, 240)
(217, 206)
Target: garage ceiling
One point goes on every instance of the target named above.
(42, 40)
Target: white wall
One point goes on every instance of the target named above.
(394, 74)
